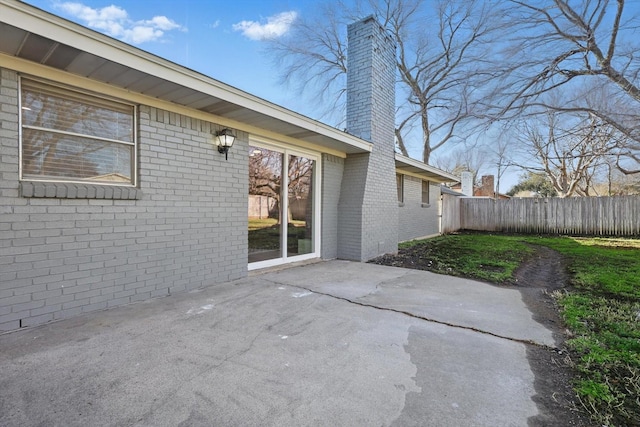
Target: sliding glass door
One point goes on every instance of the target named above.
(282, 206)
(300, 205)
(265, 199)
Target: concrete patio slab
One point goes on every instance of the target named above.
(326, 344)
(446, 299)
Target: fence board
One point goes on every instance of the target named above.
(450, 214)
(593, 216)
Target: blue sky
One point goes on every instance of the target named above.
(221, 39)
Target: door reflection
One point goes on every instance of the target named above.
(265, 194)
(300, 204)
(268, 201)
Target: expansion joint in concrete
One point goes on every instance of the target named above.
(427, 319)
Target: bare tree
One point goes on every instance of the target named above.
(468, 157)
(57, 137)
(500, 158)
(313, 58)
(265, 178)
(619, 184)
(55, 154)
(437, 70)
(569, 149)
(572, 47)
(439, 57)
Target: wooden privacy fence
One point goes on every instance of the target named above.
(450, 213)
(593, 216)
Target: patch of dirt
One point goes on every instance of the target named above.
(537, 278)
(546, 268)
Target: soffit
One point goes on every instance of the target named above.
(46, 39)
(423, 170)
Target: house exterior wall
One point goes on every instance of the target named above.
(487, 187)
(187, 227)
(350, 207)
(415, 218)
(71, 248)
(332, 173)
(368, 210)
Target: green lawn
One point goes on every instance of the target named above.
(602, 308)
(265, 233)
(478, 256)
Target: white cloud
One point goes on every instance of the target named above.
(141, 34)
(162, 23)
(115, 22)
(276, 26)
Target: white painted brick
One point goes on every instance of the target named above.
(78, 255)
(368, 184)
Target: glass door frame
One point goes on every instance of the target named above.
(316, 229)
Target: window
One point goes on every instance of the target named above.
(72, 136)
(283, 205)
(425, 192)
(400, 186)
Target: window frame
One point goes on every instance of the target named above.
(400, 188)
(288, 150)
(427, 201)
(91, 98)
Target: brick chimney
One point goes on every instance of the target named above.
(368, 196)
(487, 188)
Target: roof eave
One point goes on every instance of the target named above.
(47, 25)
(404, 163)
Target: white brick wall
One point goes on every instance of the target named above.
(368, 210)
(60, 257)
(332, 174)
(415, 218)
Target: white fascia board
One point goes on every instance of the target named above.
(423, 167)
(62, 31)
(62, 77)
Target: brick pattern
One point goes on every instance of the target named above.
(416, 219)
(60, 257)
(332, 173)
(487, 188)
(69, 190)
(350, 207)
(368, 210)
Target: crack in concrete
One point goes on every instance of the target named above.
(426, 319)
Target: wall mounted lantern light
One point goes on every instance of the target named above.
(224, 140)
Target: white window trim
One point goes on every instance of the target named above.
(317, 157)
(63, 181)
(428, 202)
(400, 193)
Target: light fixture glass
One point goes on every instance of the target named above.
(224, 140)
